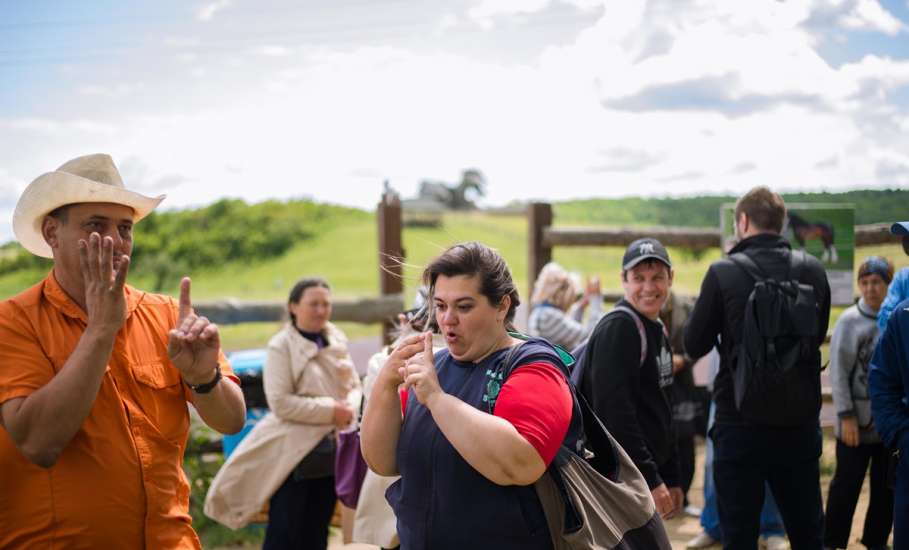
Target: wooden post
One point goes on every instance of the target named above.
(391, 251)
(539, 253)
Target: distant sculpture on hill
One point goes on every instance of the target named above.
(438, 195)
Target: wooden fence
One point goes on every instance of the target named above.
(359, 310)
(542, 237)
(382, 309)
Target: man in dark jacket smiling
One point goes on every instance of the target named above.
(629, 375)
(750, 452)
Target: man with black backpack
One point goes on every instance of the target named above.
(626, 372)
(766, 308)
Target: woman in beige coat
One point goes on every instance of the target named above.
(287, 460)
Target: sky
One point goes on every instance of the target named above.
(550, 99)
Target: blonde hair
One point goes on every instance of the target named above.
(554, 285)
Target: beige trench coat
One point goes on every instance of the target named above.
(301, 385)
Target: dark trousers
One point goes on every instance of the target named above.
(298, 514)
(901, 502)
(686, 463)
(787, 460)
(851, 466)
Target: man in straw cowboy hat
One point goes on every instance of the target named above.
(95, 376)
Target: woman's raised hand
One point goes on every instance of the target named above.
(390, 375)
(419, 370)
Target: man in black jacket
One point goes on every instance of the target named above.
(629, 373)
(750, 452)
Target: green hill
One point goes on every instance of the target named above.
(256, 252)
(169, 244)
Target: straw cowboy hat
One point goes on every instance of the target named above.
(92, 178)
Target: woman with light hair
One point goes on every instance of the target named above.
(557, 313)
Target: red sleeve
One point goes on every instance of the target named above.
(403, 394)
(537, 402)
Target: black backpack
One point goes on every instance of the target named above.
(580, 352)
(776, 375)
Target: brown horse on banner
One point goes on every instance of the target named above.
(804, 230)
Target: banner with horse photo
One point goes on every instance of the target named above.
(826, 231)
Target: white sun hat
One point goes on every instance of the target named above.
(92, 178)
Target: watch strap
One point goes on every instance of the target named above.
(208, 386)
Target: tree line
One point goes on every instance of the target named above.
(871, 206)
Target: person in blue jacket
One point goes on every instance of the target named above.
(899, 287)
(888, 384)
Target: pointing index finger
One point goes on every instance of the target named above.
(427, 344)
(186, 305)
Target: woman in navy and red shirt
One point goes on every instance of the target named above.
(467, 474)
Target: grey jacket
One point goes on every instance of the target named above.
(851, 348)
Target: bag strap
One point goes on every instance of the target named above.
(749, 266)
(592, 431)
(642, 332)
(504, 368)
(796, 261)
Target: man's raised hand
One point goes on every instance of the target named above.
(193, 345)
(105, 302)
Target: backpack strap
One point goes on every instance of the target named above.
(749, 266)
(796, 261)
(642, 332)
(594, 442)
(503, 370)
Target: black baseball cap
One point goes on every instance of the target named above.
(900, 228)
(645, 249)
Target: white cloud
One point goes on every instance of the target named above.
(448, 21)
(870, 15)
(48, 126)
(110, 91)
(487, 9)
(665, 96)
(181, 41)
(207, 11)
(272, 51)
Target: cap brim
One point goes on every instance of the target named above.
(640, 259)
(900, 228)
(55, 189)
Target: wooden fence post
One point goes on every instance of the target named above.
(539, 217)
(391, 251)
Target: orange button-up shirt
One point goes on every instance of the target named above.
(119, 483)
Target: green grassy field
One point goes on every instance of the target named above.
(347, 256)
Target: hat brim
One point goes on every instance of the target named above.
(900, 228)
(55, 189)
(640, 259)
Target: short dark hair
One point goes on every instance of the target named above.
(61, 213)
(876, 265)
(765, 209)
(474, 258)
(296, 292)
(649, 262)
